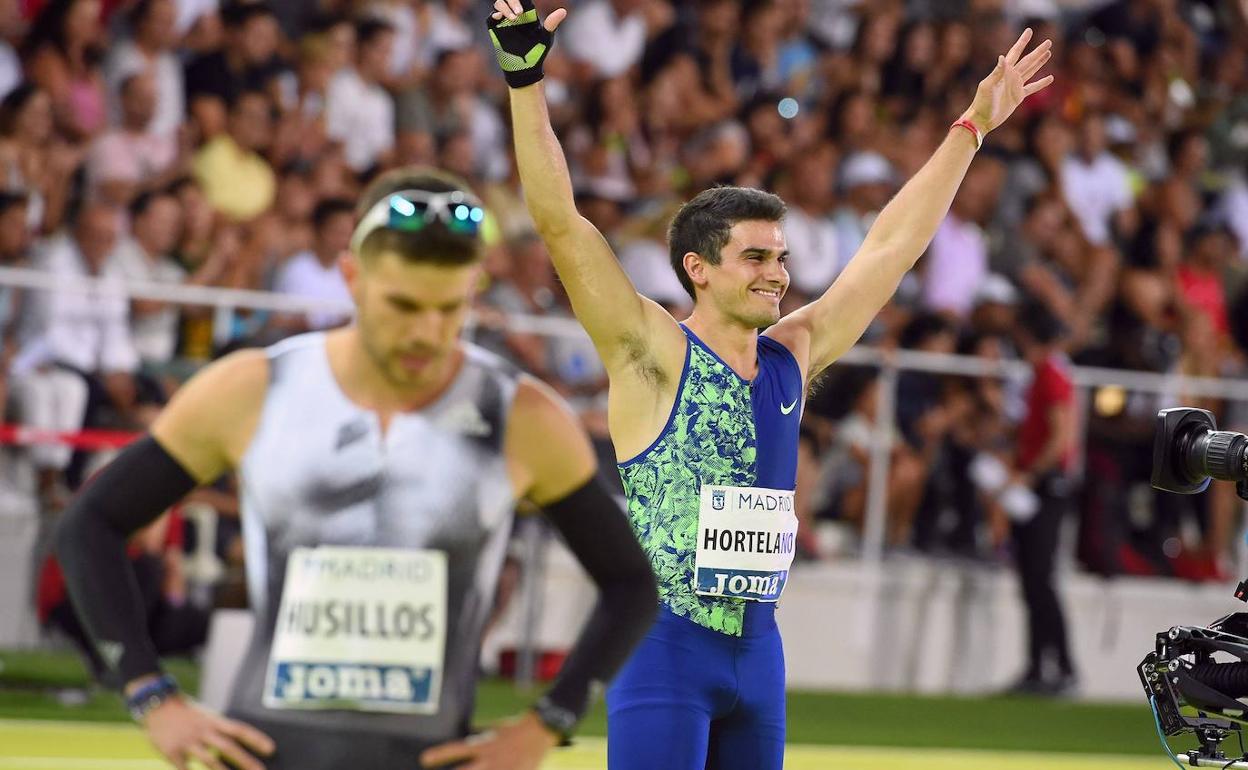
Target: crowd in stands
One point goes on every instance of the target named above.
(197, 143)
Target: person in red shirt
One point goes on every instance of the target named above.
(1043, 463)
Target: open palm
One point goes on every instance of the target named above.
(1004, 89)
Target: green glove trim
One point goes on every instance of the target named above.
(521, 46)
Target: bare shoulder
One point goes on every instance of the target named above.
(209, 421)
(548, 450)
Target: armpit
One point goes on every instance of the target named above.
(641, 359)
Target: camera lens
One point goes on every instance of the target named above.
(1220, 454)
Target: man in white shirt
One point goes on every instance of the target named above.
(314, 274)
(607, 35)
(150, 49)
(814, 260)
(144, 255)
(359, 111)
(867, 182)
(1095, 183)
(76, 350)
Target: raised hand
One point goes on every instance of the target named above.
(1004, 89)
(522, 40)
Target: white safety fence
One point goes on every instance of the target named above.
(863, 614)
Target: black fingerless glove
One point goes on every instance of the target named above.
(521, 45)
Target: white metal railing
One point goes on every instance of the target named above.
(890, 362)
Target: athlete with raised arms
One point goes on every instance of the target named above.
(704, 414)
(379, 467)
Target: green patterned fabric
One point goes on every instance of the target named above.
(709, 440)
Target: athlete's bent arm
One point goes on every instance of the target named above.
(829, 326)
(603, 297)
(559, 469)
(190, 444)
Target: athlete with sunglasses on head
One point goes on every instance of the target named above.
(379, 467)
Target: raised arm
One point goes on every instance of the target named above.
(830, 325)
(603, 298)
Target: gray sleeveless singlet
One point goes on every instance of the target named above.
(319, 471)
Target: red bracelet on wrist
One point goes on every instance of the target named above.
(969, 126)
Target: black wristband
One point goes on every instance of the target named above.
(560, 721)
(151, 695)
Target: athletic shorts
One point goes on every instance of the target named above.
(695, 699)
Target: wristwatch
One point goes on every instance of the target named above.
(151, 695)
(559, 720)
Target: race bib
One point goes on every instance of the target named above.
(746, 542)
(362, 629)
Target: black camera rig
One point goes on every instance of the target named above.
(1189, 689)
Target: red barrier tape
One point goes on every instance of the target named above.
(90, 440)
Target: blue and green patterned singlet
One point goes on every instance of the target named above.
(723, 430)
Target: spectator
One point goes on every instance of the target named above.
(1043, 464)
(10, 36)
(607, 36)
(868, 181)
(359, 111)
(147, 255)
(450, 103)
(315, 274)
(814, 258)
(62, 54)
(151, 49)
(1095, 183)
(756, 58)
(32, 159)
(136, 157)
(957, 260)
(247, 61)
(14, 245)
(77, 355)
(236, 178)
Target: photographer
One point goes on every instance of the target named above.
(1046, 450)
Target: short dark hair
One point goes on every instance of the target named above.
(144, 200)
(369, 28)
(703, 224)
(329, 208)
(234, 15)
(1039, 323)
(12, 199)
(435, 243)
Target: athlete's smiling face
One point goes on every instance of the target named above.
(410, 314)
(750, 279)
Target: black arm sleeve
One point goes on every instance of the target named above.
(131, 492)
(598, 533)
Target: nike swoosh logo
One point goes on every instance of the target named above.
(787, 409)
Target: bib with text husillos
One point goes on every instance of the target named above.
(746, 540)
(361, 629)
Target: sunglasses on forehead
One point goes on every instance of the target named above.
(410, 211)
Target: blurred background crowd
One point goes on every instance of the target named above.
(222, 144)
